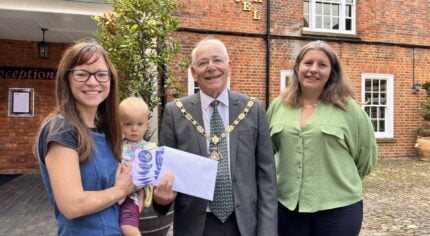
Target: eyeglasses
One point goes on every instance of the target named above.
(203, 63)
(84, 76)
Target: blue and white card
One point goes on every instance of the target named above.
(147, 165)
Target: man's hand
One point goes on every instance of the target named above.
(163, 193)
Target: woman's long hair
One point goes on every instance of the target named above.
(107, 117)
(336, 91)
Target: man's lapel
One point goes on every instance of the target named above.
(195, 109)
(234, 111)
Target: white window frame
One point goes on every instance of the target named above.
(283, 80)
(342, 17)
(191, 85)
(389, 112)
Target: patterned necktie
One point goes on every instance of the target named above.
(222, 204)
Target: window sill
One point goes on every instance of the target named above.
(386, 140)
(330, 34)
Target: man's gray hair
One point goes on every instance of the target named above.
(209, 39)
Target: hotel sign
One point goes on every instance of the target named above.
(27, 73)
(249, 5)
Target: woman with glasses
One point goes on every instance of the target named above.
(79, 145)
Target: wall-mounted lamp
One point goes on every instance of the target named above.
(415, 88)
(42, 47)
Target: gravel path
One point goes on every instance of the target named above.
(397, 198)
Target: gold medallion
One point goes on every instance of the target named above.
(215, 154)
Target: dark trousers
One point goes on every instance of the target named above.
(214, 227)
(342, 221)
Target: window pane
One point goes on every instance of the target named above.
(306, 7)
(318, 21)
(349, 1)
(382, 112)
(318, 8)
(375, 99)
(373, 112)
(381, 126)
(327, 9)
(348, 24)
(335, 10)
(335, 23)
(375, 85)
(348, 11)
(368, 85)
(383, 99)
(367, 98)
(327, 22)
(306, 20)
(383, 85)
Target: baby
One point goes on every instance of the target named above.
(134, 114)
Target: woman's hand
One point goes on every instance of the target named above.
(123, 178)
(163, 193)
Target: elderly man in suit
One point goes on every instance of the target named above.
(229, 127)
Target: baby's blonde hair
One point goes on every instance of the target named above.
(133, 104)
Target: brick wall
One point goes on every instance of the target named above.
(17, 133)
(399, 21)
(223, 15)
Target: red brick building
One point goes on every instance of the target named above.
(384, 47)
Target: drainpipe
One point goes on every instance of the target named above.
(267, 38)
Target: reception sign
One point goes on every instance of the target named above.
(27, 73)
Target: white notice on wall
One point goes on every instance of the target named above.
(21, 102)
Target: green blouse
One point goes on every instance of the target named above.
(321, 165)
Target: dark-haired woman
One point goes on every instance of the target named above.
(79, 145)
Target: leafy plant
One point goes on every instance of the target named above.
(424, 131)
(137, 36)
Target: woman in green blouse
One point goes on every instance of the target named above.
(324, 145)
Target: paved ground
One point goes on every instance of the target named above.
(25, 209)
(397, 199)
(397, 202)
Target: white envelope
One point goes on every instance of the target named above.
(194, 175)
